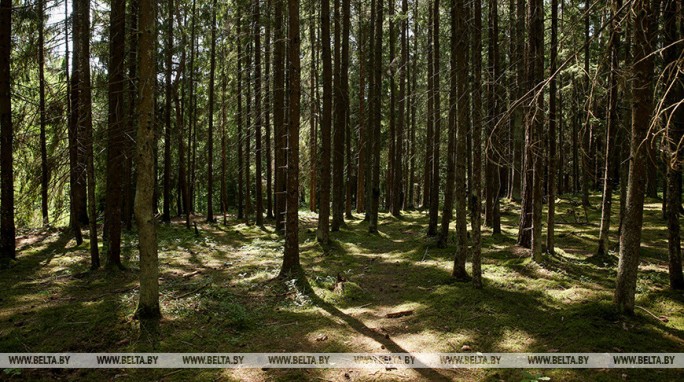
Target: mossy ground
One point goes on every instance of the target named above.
(218, 294)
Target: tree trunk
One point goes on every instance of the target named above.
(313, 110)
(675, 132)
(398, 194)
(611, 128)
(7, 230)
(148, 304)
(476, 189)
(338, 129)
(240, 138)
(85, 121)
(344, 84)
(291, 265)
(44, 174)
(550, 222)
(210, 138)
(493, 180)
(267, 114)
(536, 120)
(258, 177)
(436, 120)
(279, 130)
(363, 144)
(376, 118)
(427, 168)
(323, 232)
(459, 87)
(115, 133)
(166, 208)
(642, 109)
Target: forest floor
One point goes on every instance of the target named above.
(218, 295)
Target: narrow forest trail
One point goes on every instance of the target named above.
(218, 294)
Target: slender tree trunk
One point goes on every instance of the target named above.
(675, 132)
(148, 305)
(338, 129)
(458, 59)
(642, 109)
(166, 208)
(363, 144)
(344, 84)
(193, 110)
(476, 190)
(130, 118)
(414, 110)
(436, 119)
(536, 120)
(44, 174)
(267, 114)
(427, 168)
(258, 177)
(326, 121)
(210, 138)
(291, 265)
(7, 230)
(492, 167)
(313, 125)
(553, 119)
(85, 121)
(240, 138)
(115, 133)
(224, 122)
(376, 118)
(586, 132)
(611, 128)
(279, 129)
(459, 120)
(398, 176)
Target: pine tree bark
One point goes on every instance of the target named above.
(398, 194)
(313, 110)
(267, 114)
(642, 110)
(148, 304)
(493, 180)
(362, 144)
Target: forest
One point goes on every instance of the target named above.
(345, 176)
